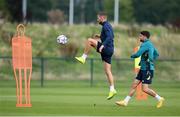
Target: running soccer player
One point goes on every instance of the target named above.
(148, 54)
(104, 44)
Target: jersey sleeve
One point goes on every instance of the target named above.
(141, 50)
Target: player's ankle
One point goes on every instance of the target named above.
(111, 88)
(158, 97)
(84, 56)
(127, 99)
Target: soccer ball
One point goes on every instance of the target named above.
(62, 39)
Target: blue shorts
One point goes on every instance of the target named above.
(145, 76)
(106, 53)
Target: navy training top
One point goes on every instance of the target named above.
(107, 36)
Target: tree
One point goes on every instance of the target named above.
(14, 8)
(86, 10)
(156, 11)
(37, 9)
(126, 10)
(109, 9)
(4, 13)
(62, 5)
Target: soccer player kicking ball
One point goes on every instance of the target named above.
(148, 54)
(104, 44)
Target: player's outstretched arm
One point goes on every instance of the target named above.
(142, 49)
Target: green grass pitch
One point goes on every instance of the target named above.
(79, 99)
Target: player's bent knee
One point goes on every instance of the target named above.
(90, 39)
(134, 86)
(145, 90)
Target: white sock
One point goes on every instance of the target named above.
(127, 99)
(84, 56)
(112, 88)
(158, 97)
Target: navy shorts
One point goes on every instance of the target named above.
(145, 76)
(106, 53)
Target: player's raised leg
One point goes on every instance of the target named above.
(146, 89)
(88, 45)
(134, 85)
(107, 69)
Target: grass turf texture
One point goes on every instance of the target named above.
(75, 98)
